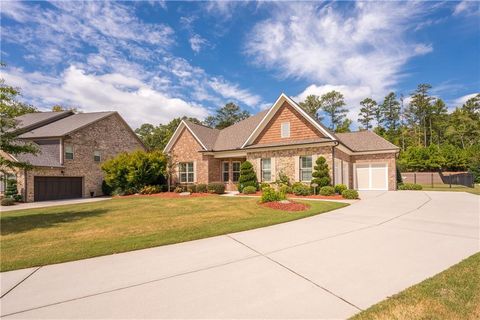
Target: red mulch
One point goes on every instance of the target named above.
(291, 195)
(168, 195)
(292, 206)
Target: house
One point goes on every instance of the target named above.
(71, 148)
(285, 139)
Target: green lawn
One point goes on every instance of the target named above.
(44, 236)
(455, 188)
(452, 294)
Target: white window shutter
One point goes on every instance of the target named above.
(273, 168)
(194, 171)
(258, 168)
(297, 168)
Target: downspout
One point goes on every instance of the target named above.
(333, 161)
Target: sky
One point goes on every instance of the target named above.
(154, 60)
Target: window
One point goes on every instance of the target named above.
(96, 156)
(69, 152)
(236, 170)
(285, 130)
(306, 168)
(186, 172)
(225, 173)
(266, 169)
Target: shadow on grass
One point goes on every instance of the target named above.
(18, 224)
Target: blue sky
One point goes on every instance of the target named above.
(153, 61)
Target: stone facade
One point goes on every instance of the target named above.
(300, 128)
(110, 136)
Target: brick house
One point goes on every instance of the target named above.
(285, 139)
(71, 150)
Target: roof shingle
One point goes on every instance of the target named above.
(365, 141)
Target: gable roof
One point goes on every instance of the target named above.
(207, 135)
(33, 120)
(361, 141)
(65, 125)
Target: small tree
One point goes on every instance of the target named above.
(320, 173)
(247, 176)
(11, 191)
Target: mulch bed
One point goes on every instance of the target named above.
(291, 195)
(169, 195)
(292, 206)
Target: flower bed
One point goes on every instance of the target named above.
(290, 206)
(169, 195)
(291, 195)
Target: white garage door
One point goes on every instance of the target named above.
(371, 176)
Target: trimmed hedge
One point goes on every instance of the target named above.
(249, 190)
(410, 186)
(216, 187)
(7, 202)
(299, 189)
(327, 191)
(202, 188)
(320, 174)
(339, 188)
(247, 178)
(270, 195)
(350, 194)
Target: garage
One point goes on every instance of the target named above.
(371, 176)
(56, 188)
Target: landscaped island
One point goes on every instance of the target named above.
(44, 236)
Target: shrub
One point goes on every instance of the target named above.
(178, 189)
(410, 186)
(192, 188)
(216, 187)
(282, 179)
(320, 174)
(7, 202)
(270, 195)
(202, 188)
(283, 188)
(327, 191)
(249, 190)
(106, 189)
(18, 198)
(340, 187)
(350, 194)
(247, 176)
(299, 189)
(264, 185)
(132, 171)
(150, 190)
(11, 189)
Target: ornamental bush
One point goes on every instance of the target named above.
(249, 190)
(192, 188)
(270, 195)
(299, 189)
(150, 190)
(350, 194)
(340, 187)
(327, 191)
(216, 187)
(409, 186)
(247, 176)
(7, 202)
(320, 174)
(11, 189)
(202, 188)
(264, 185)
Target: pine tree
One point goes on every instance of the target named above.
(367, 112)
(311, 105)
(320, 174)
(390, 112)
(332, 103)
(247, 176)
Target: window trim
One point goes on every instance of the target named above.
(233, 171)
(262, 170)
(227, 172)
(285, 126)
(65, 152)
(186, 172)
(301, 168)
(99, 156)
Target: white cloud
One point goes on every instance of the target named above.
(197, 42)
(231, 91)
(461, 100)
(468, 8)
(364, 46)
(133, 99)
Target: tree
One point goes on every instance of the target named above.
(11, 191)
(320, 174)
(10, 108)
(332, 103)
(420, 111)
(367, 112)
(344, 126)
(439, 121)
(226, 116)
(59, 108)
(390, 112)
(312, 105)
(247, 176)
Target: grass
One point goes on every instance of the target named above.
(454, 188)
(452, 294)
(37, 237)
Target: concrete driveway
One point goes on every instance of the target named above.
(328, 266)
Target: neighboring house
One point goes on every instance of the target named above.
(284, 139)
(72, 148)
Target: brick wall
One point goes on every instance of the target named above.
(300, 128)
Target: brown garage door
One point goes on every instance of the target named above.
(55, 188)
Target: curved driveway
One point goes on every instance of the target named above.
(328, 266)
